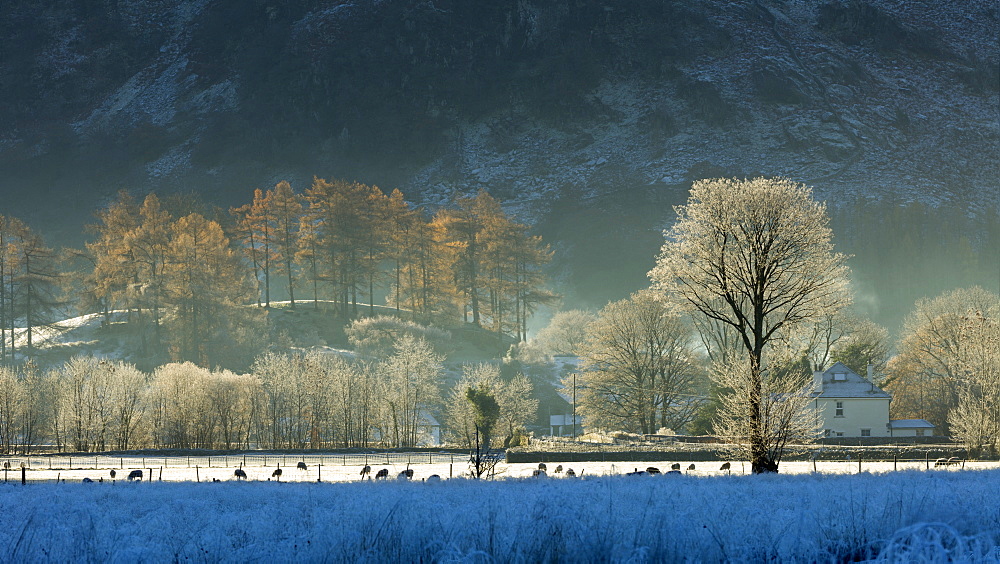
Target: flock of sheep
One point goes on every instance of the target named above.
(407, 474)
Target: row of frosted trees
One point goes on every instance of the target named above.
(312, 400)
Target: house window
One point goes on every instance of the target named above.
(839, 434)
(839, 376)
(866, 432)
(920, 432)
(840, 409)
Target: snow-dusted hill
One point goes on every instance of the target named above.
(533, 100)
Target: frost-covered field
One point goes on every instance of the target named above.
(903, 516)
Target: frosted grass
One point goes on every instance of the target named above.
(905, 516)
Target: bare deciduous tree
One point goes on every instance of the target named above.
(639, 371)
(925, 377)
(755, 255)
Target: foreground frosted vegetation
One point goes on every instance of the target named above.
(906, 516)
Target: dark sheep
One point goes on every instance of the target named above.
(676, 466)
(135, 475)
(570, 472)
(691, 468)
(301, 465)
(366, 471)
(382, 474)
(406, 474)
(558, 469)
(725, 467)
(276, 474)
(240, 474)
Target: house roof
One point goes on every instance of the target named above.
(851, 386)
(910, 424)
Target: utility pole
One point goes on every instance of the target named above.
(574, 406)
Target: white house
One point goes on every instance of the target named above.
(851, 405)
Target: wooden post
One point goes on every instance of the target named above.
(859, 463)
(320, 477)
(894, 456)
(197, 478)
(927, 459)
(23, 482)
(161, 473)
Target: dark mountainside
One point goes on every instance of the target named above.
(589, 118)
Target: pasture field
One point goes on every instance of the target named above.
(941, 515)
(347, 467)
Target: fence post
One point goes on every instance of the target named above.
(894, 455)
(197, 478)
(859, 463)
(319, 478)
(927, 460)
(23, 482)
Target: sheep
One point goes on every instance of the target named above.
(135, 475)
(570, 472)
(542, 467)
(87, 481)
(276, 474)
(113, 473)
(366, 471)
(406, 474)
(382, 474)
(433, 478)
(691, 467)
(676, 466)
(558, 469)
(538, 473)
(301, 465)
(653, 470)
(725, 467)
(240, 474)
(635, 472)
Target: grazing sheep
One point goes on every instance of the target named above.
(135, 475)
(276, 474)
(301, 465)
(87, 481)
(433, 478)
(676, 466)
(570, 472)
(382, 474)
(366, 471)
(113, 474)
(653, 470)
(691, 468)
(6, 465)
(635, 472)
(558, 469)
(405, 474)
(725, 467)
(538, 473)
(240, 474)
(542, 467)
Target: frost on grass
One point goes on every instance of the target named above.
(901, 517)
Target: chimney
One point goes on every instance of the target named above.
(871, 379)
(818, 382)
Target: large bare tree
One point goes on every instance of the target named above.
(755, 255)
